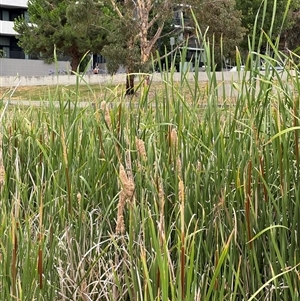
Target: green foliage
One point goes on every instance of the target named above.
(264, 12)
(135, 27)
(123, 48)
(290, 33)
(222, 23)
(73, 27)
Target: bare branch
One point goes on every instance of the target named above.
(155, 37)
(155, 18)
(159, 14)
(116, 9)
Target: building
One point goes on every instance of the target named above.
(184, 25)
(13, 60)
(10, 10)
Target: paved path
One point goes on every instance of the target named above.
(34, 103)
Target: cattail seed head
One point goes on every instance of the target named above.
(127, 184)
(140, 146)
(181, 191)
(104, 108)
(174, 138)
(179, 165)
(161, 195)
(120, 226)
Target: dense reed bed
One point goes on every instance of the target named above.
(161, 199)
(165, 200)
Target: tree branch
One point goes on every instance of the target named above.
(116, 9)
(155, 37)
(155, 18)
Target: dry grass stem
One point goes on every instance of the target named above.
(2, 169)
(161, 198)
(128, 165)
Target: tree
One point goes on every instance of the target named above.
(291, 32)
(134, 35)
(252, 9)
(73, 27)
(221, 21)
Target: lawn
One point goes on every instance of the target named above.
(42, 92)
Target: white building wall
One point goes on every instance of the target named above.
(13, 3)
(19, 67)
(7, 28)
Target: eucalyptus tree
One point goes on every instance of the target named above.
(134, 35)
(72, 27)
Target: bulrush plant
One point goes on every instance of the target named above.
(126, 195)
(162, 199)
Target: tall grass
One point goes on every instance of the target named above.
(158, 199)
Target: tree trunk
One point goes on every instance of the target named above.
(129, 84)
(75, 63)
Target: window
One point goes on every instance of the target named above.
(4, 41)
(12, 14)
(5, 15)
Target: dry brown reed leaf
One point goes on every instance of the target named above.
(128, 164)
(129, 173)
(140, 146)
(2, 169)
(83, 290)
(161, 198)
